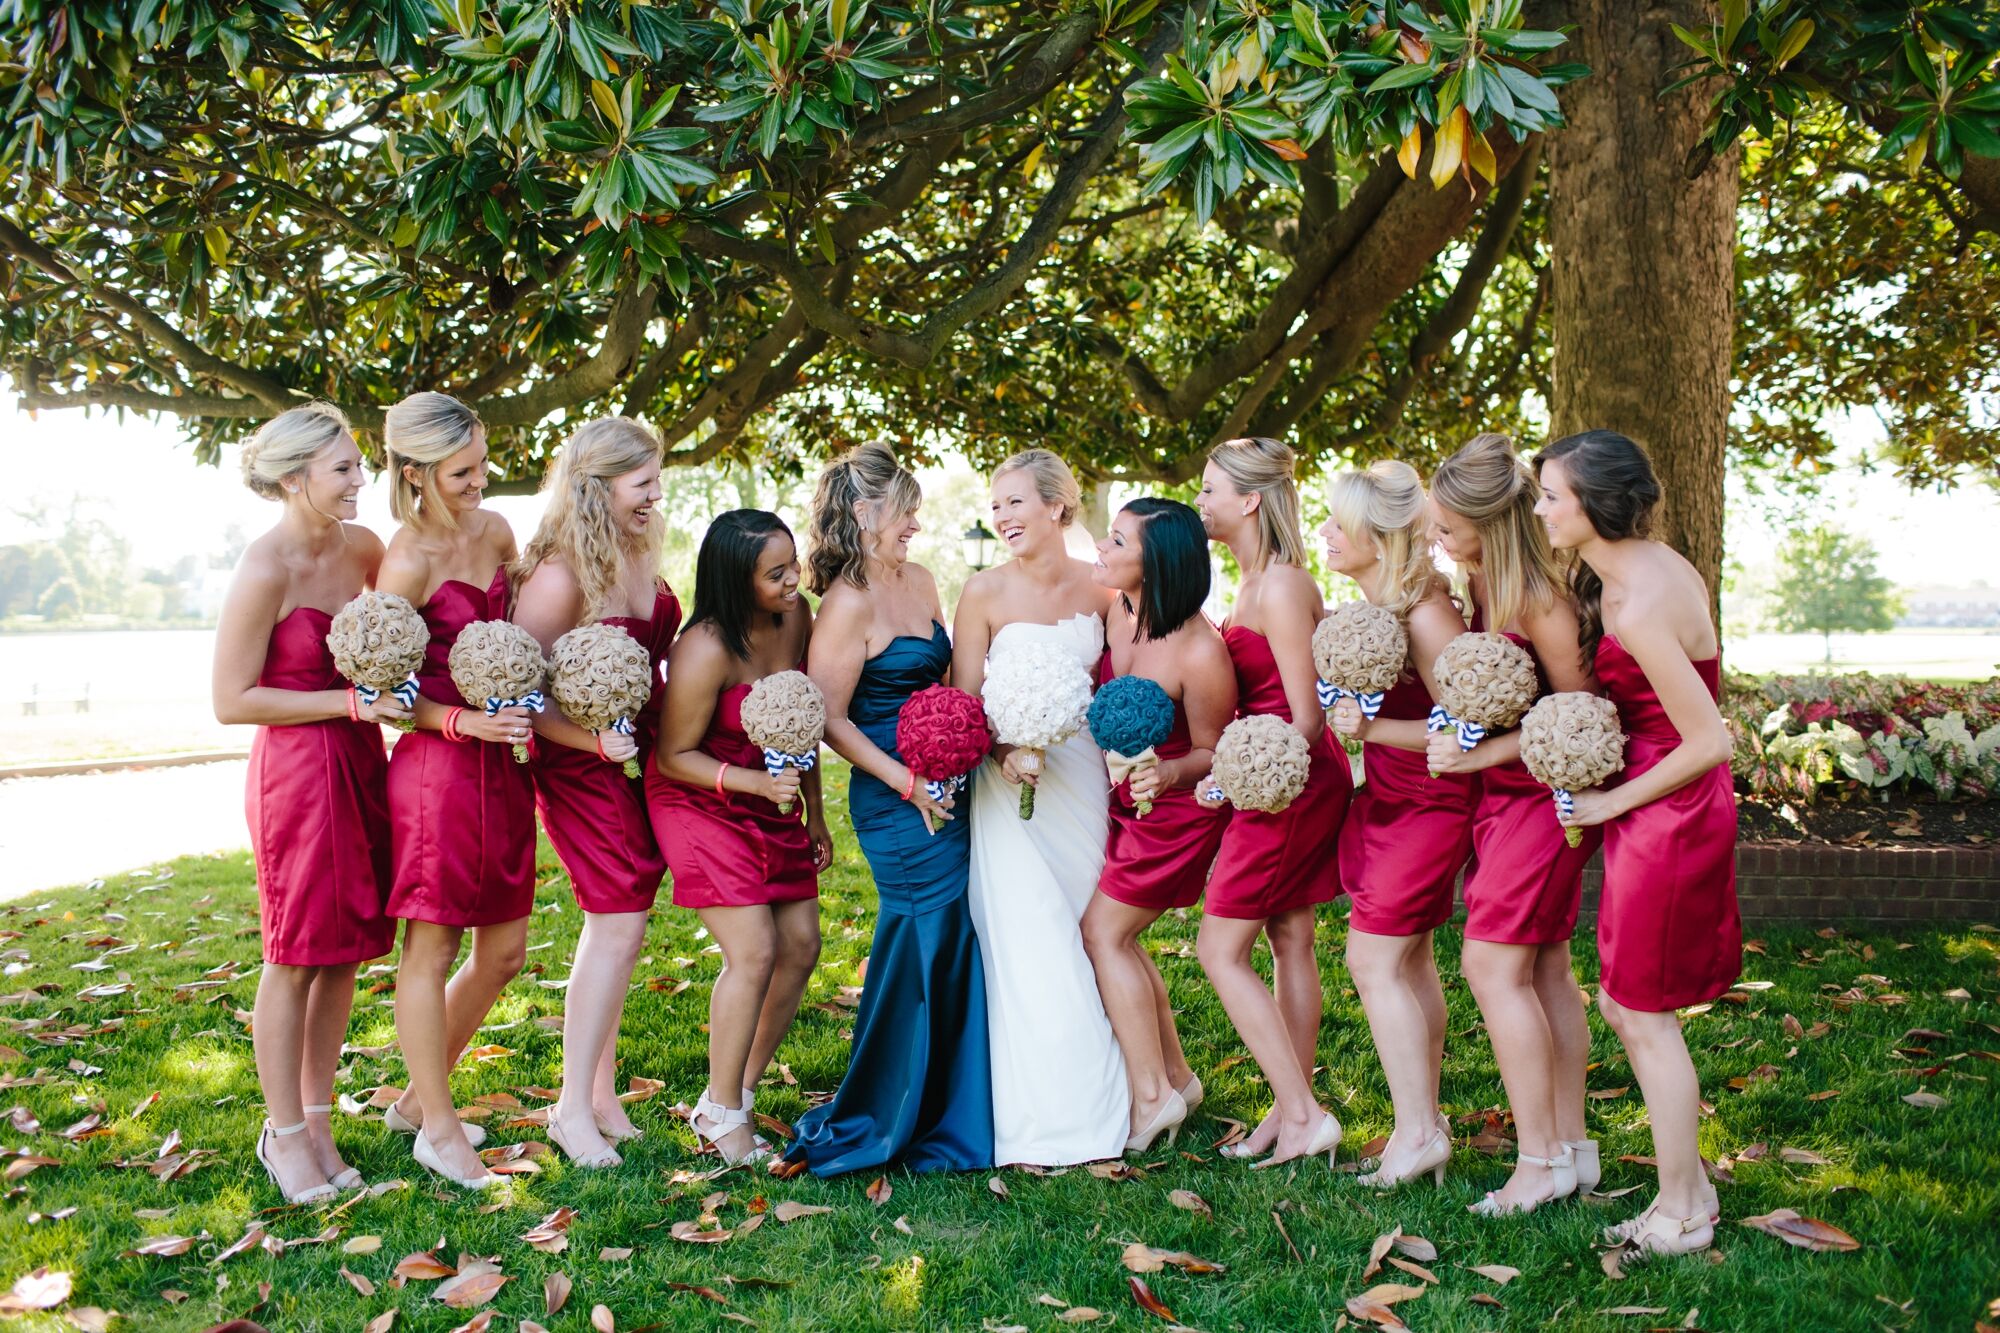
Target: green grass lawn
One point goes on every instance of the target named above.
(1914, 1184)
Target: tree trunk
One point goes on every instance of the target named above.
(1643, 267)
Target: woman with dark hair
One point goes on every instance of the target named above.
(750, 871)
(1156, 559)
(1667, 929)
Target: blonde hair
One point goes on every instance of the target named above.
(286, 444)
(1054, 482)
(422, 431)
(1488, 485)
(578, 526)
(867, 473)
(1386, 501)
(1264, 468)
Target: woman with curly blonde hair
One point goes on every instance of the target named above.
(595, 559)
(1408, 831)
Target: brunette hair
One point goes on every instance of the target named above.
(1615, 485)
(725, 570)
(869, 474)
(1173, 565)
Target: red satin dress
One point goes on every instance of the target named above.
(730, 850)
(1667, 930)
(595, 815)
(1526, 881)
(319, 821)
(1161, 861)
(463, 812)
(1277, 862)
(1407, 834)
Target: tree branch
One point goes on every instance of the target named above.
(624, 335)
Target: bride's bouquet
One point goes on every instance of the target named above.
(1261, 763)
(1484, 683)
(1359, 650)
(601, 678)
(1128, 718)
(1037, 696)
(1571, 742)
(941, 734)
(378, 641)
(785, 715)
(496, 664)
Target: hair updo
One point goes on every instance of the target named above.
(1488, 485)
(1615, 486)
(578, 527)
(284, 446)
(866, 474)
(1054, 482)
(421, 432)
(1386, 501)
(1257, 465)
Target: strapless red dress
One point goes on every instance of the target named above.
(1667, 930)
(1271, 863)
(1407, 833)
(596, 816)
(319, 818)
(1526, 881)
(463, 812)
(730, 850)
(1161, 861)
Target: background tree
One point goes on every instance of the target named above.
(1827, 582)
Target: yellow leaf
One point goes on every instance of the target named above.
(1449, 149)
(1034, 159)
(1480, 154)
(607, 102)
(1410, 150)
(1794, 41)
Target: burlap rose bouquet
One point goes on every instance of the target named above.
(601, 678)
(378, 641)
(496, 664)
(1261, 763)
(1571, 742)
(941, 734)
(1359, 650)
(1129, 716)
(785, 715)
(1037, 697)
(1484, 683)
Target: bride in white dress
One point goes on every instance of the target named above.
(1059, 1090)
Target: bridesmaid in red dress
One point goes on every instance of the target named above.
(1273, 870)
(1522, 893)
(750, 871)
(1408, 833)
(318, 824)
(462, 811)
(1156, 558)
(1667, 928)
(594, 559)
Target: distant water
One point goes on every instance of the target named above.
(159, 666)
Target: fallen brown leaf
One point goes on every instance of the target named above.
(1808, 1233)
(1079, 1314)
(791, 1210)
(601, 1319)
(1802, 1155)
(1416, 1247)
(161, 1246)
(361, 1245)
(880, 1190)
(998, 1186)
(1478, 1298)
(1147, 1301)
(356, 1281)
(1391, 1293)
(1499, 1273)
(1635, 1309)
(612, 1254)
(555, 1292)
(479, 1323)
(424, 1267)
(1383, 1244)
(474, 1286)
(39, 1290)
(1415, 1270)
(1379, 1315)
(381, 1323)
(1190, 1201)
(1924, 1099)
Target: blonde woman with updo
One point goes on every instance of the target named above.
(1526, 881)
(595, 559)
(1408, 832)
(462, 810)
(318, 822)
(1274, 869)
(1059, 1091)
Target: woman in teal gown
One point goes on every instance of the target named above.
(917, 1092)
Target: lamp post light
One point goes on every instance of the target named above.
(978, 544)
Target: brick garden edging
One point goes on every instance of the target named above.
(1819, 882)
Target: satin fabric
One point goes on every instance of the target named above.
(917, 1091)
(1161, 861)
(1668, 934)
(318, 813)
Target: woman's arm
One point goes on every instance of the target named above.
(406, 571)
(1290, 611)
(699, 667)
(548, 606)
(1208, 696)
(1651, 640)
(242, 641)
(1433, 624)
(839, 651)
(972, 631)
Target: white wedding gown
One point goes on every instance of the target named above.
(1059, 1090)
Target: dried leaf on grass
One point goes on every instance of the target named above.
(1808, 1233)
(475, 1285)
(1142, 1258)
(357, 1281)
(1380, 1249)
(39, 1290)
(1147, 1301)
(424, 1267)
(1499, 1273)
(880, 1190)
(1190, 1201)
(555, 1292)
(791, 1210)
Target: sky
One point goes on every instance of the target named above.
(140, 475)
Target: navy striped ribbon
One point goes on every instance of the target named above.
(1369, 700)
(777, 761)
(938, 789)
(532, 701)
(406, 693)
(623, 726)
(1469, 733)
(1565, 803)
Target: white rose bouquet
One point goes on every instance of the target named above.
(1037, 696)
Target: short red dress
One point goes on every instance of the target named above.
(730, 850)
(319, 819)
(1526, 881)
(1277, 862)
(1161, 861)
(596, 816)
(462, 812)
(1407, 834)
(1667, 930)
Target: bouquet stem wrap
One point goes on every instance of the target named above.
(496, 664)
(623, 726)
(777, 761)
(1121, 767)
(1565, 807)
(1469, 733)
(404, 693)
(532, 701)
(1368, 701)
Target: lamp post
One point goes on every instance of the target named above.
(978, 544)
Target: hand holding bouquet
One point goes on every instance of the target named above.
(1484, 683)
(941, 733)
(1037, 696)
(1261, 763)
(601, 678)
(496, 664)
(1571, 742)
(1128, 718)
(785, 715)
(1359, 650)
(378, 641)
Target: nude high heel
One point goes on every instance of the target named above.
(721, 1119)
(1325, 1139)
(397, 1122)
(1562, 1170)
(1656, 1234)
(1192, 1093)
(1167, 1120)
(1432, 1158)
(350, 1179)
(311, 1194)
(426, 1155)
(1589, 1166)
